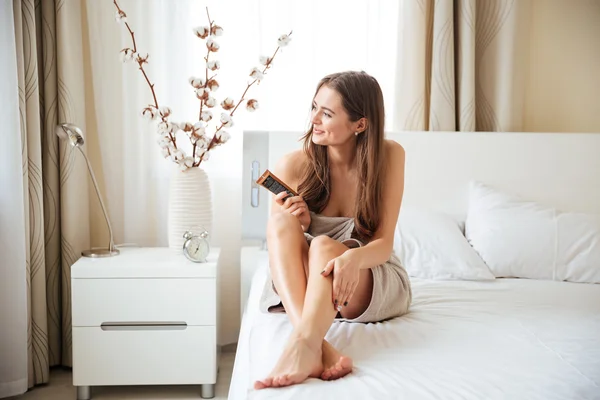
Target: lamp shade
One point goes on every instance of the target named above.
(71, 133)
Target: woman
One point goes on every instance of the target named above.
(331, 247)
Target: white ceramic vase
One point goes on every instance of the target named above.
(190, 204)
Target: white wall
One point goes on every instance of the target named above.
(563, 85)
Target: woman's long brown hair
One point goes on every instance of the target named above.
(361, 98)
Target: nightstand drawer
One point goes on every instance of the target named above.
(114, 301)
(144, 356)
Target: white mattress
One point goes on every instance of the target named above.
(507, 339)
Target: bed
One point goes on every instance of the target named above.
(499, 338)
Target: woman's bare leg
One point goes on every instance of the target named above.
(284, 237)
(302, 356)
(322, 250)
(288, 260)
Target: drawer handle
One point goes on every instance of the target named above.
(143, 326)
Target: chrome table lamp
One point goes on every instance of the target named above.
(73, 135)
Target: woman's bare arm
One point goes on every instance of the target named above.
(287, 169)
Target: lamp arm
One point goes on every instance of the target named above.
(111, 244)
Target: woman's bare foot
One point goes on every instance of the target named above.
(298, 361)
(335, 364)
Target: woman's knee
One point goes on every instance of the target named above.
(324, 246)
(282, 223)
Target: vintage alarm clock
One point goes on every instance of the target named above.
(196, 246)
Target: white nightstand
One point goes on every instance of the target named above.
(145, 317)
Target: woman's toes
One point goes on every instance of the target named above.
(282, 380)
(346, 363)
(279, 381)
(263, 384)
(341, 368)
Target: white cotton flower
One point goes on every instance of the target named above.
(188, 161)
(264, 60)
(196, 82)
(206, 116)
(223, 136)
(226, 120)
(198, 132)
(163, 127)
(202, 142)
(202, 93)
(283, 40)
(216, 30)
(166, 136)
(213, 85)
(252, 105)
(257, 74)
(210, 102)
(164, 111)
(149, 113)
(177, 155)
(128, 55)
(202, 31)
(197, 138)
(166, 127)
(213, 65)
(164, 142)
(120, 16)
(165, 152)
(186, 126)
(205, 156)
(212, 45)
(228, 104)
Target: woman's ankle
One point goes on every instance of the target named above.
(309, 337)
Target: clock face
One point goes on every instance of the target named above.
(196, 249)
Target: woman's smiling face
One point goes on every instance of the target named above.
(330, 121)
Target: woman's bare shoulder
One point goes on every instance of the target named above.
(289, 167)
(393, 149)
(291, 161)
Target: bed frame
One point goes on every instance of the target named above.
(560, 170)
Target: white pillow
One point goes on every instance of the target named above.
(524, 239)
(578, 248)
(432, 246)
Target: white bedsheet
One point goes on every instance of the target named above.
(506, 339)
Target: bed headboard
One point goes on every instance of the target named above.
(561, 170)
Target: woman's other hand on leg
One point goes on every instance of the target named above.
(346, 278)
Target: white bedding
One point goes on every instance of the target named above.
(504, 339)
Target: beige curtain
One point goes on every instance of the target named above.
(51, 91)
(463, 65)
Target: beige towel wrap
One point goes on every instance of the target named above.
(392, 293)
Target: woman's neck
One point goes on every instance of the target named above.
(342, 157)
